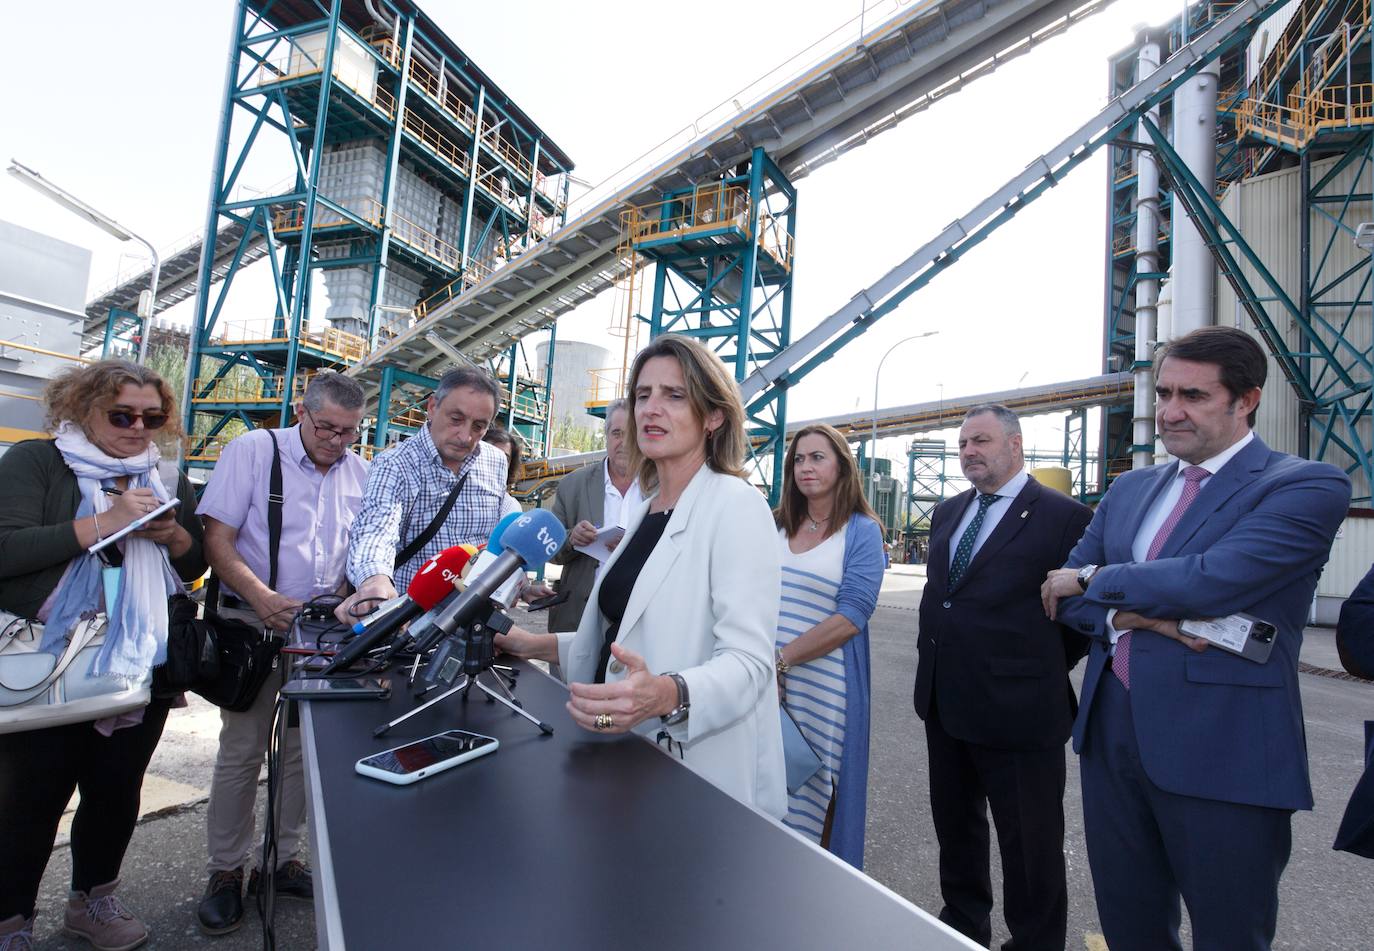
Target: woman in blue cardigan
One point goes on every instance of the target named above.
(832, 567)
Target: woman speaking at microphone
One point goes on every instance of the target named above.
(678, 632)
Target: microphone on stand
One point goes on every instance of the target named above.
(420, 636)
(532, 539)
(429, 586)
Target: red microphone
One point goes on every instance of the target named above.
(431, 584)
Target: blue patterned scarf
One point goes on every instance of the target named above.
(136, 639)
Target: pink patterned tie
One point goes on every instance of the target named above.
(1192, 485)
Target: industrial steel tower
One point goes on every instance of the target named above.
(724, 255)
(405, 176)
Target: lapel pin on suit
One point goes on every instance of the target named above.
(1025, 513)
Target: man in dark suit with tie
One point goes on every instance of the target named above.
(1192, 758)
(992, 685)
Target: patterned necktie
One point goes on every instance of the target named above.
(964, 553)
(1192, 485)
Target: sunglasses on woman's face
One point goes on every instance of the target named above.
(123, 419)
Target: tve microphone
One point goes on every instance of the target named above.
(531, 539)
(507, 593)
(429, 586)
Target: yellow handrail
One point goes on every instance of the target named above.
(266, 389)
(424, 241)
(291, 220)
(6, 344)
(707, 209)
(607, 384)
(347, 347)
(436, 141)
(1298, 122)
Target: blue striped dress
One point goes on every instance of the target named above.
(815, 689)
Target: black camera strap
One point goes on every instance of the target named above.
(432, 529)
(275, 501)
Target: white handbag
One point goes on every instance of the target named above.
(40, 690)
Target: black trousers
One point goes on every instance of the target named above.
(39, 771)
(1025, 790)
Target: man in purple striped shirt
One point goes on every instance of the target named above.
(322, 488)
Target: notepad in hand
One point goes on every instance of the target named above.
(601, 547)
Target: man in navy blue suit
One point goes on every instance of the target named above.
(1355, 642)
(1192, 758)
(992, 686)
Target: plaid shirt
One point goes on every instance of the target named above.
(406, 487)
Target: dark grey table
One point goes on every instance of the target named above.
(569, 841)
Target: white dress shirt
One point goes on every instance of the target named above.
(617, 506)
(1159, 511)
(1008, 491)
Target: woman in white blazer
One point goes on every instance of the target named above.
(678, 632)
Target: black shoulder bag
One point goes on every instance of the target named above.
(432, 529)
(226, 661)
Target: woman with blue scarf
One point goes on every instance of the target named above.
(96, 476)
(832, 567)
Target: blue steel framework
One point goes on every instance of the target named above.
(399, 81)
(723, 251)
(1313, 100)
(1234, 25)
(1118, 338)
(122, 327)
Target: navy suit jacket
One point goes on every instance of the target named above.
(1355, 629)
(1214, 725)
(996, 668)
(1355, 641)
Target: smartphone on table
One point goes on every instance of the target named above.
(336, 688)
(411, 763)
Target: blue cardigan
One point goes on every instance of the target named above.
(857, 599)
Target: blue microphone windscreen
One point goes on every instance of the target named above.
(535, 536)
(495, 545)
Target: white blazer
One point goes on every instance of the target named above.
(706, 606)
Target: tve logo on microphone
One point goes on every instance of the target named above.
(544, 536)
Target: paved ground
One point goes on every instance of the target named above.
(1327, 900)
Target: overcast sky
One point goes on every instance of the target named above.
(119, 105)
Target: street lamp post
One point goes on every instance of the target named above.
(873, 441)
(105, 223)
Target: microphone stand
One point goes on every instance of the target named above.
(465, 683)
(478, 657)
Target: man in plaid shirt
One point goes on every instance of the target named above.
(407, 486)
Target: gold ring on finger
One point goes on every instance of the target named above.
(604, 721)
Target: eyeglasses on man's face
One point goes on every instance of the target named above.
(329, 432)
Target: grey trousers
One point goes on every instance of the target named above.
(243, 737)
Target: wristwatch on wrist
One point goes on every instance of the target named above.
(684, 703)
(1085, 576)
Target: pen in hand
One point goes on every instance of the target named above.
(111, 491)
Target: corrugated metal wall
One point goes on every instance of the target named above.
(1351, 556)
(1262, 44)
(1266, 209)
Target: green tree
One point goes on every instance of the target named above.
(568, 435)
